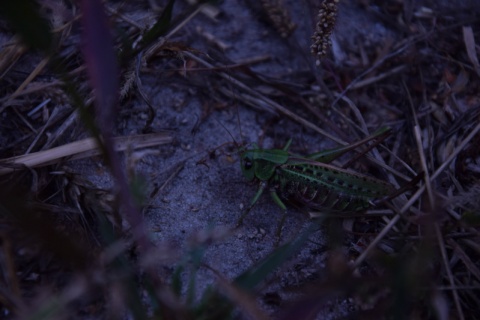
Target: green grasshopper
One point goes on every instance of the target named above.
(311, 181)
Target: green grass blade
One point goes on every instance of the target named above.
(249, 279)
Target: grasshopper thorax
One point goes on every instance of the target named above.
(261, 163)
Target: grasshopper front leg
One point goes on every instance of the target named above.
(262, 186)
(276, 198)
(279, 202)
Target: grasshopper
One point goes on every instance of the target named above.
(311, 181)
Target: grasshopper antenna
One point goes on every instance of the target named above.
(235, 101)
(238, 121)
(229, 133)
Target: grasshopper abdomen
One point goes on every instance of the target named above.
(325, 187)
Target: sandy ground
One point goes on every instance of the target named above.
(208, 198)
(195, 191)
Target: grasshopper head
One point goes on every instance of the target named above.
(248, 166)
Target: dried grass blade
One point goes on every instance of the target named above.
(465, 258)
(443, 251)
(86, 147)
(469, 40)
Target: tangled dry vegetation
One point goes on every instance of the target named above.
(68, 246)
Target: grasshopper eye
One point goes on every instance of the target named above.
(247, 163)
